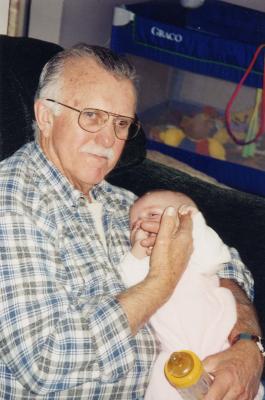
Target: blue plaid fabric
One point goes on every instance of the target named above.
(63, 334)
(237, 271)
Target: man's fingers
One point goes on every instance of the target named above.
(218, 390)
(185, 222)
(168, 224)
(232, 379)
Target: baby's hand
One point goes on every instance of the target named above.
(137, 235)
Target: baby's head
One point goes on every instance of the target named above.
(152, 205)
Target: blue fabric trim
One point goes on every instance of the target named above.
(187, 49)
(214, 17)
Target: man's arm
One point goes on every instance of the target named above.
(168, 261)
(247, 320)
(237, 370)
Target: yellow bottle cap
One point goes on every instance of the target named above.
(183, 369)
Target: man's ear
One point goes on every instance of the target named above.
(44, 117)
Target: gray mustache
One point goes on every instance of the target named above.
(97, 151)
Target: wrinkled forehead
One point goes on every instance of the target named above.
(81, 73)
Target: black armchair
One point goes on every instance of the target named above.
(238, 217)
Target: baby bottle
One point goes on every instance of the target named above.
(184, 370)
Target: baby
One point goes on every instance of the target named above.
(200, 314)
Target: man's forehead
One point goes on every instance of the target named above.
(82, 68)
(85, 72)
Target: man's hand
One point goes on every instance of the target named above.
(173, 247)
(151, 227)
(237, 372)
(171, 252)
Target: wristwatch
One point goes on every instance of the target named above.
(260, 342)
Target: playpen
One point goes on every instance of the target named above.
(190, 62)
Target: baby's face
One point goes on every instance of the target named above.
(151, 206)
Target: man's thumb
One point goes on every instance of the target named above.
(167, 223)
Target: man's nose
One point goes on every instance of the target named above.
(106, 135)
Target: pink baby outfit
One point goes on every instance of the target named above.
(199, 315)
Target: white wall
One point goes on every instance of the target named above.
(45, 19)
(255, 4)
(4, 7)
(91, 21)
(67, 22)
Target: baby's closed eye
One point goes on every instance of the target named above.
(154, 215)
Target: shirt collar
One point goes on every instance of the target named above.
(47, 171)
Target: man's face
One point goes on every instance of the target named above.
(66, 144)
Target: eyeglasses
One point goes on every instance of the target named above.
(93, 119)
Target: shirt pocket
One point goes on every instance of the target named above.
(84, 264)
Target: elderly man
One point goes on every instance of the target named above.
(69, 329)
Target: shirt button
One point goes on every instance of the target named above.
(82, 201)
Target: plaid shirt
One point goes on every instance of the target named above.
(63, 334)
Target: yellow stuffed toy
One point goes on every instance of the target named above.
(172, 136)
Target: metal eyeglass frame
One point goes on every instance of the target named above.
(108, 113)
